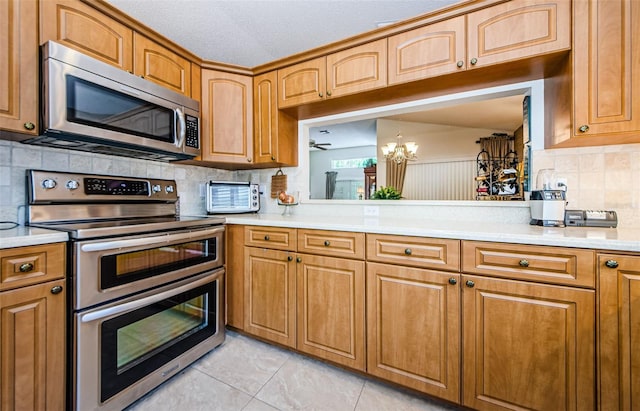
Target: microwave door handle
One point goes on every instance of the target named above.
(182, 124)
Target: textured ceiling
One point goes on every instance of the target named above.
(254, 32)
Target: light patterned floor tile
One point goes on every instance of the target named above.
(377, 396)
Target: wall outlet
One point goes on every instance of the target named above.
(371, 211)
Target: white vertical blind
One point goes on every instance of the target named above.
(451, 180)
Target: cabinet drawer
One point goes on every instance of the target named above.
(556, 265)
(23, 266)
(331, 243)
(278, 238)
(420, 252)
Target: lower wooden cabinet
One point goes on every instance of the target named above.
(527, 345)
(331, 308)
(413, 328)
(618, 332)
(32, 347)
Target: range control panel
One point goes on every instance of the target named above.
(54, 186)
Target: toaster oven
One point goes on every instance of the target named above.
(228, 197)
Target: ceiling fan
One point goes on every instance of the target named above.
(313, 144)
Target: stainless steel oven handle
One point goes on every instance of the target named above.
(150, 241)
(183, 127)
(143, 302)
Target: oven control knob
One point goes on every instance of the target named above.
(156, 188)
(49, 183)
(168, 189)
(73, 185)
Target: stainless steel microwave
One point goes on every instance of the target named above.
(228, 197)
(92, 106)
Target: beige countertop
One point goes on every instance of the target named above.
(615, 239)
(22, 236)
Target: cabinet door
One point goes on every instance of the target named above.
(32, 348)
(79, 26)
(227, 126)
(331, 308)
(606, 68)
(275, 138)
(19, 68)
(413, 328)
(160, 65)
(302, 83)
(429, 51)
(234, 275)
(618, 332)
(270, 295)
(518, 29)
(357, 69)
(527, 345)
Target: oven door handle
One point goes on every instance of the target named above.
(143, 302)
(149, 241)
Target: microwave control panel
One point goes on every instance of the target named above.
(192, 138)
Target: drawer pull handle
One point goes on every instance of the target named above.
(453, 281)
(289, 258)
(470, 284)
(299, 260)
(407, 251)
(56, 289)
(327, 243)
(26, 267)
(524, 263)
(266, 238)
(611, 264)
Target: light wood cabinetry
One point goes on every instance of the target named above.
(413, 328)
(527, 346)
(19, 69)
(32, 328)
(157, 63)
(346, 72)
(606, 70)
(618, 332)
(234, 275)
(434, 253)
(517, 29)
(275, 133)
(226, 111)
(332, 243)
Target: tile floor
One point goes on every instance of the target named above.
(245, 374)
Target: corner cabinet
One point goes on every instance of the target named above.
(618, 332)
(19, 76)
(354, 70)
(227, 122)
(32, 328)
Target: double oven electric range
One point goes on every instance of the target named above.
(145, 286)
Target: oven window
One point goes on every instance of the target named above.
(95, 105)
(138, 342)
(131, 266)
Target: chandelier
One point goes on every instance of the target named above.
(400, 152)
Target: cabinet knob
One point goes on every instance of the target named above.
(470, 284)
(407, 251)
(298, 259)
(474, 61)
(273, 158)
(524, 263)
(248, 159)
(26, 267)
(320, 95)
(289, 258)
(57, 289)
(453, 281)
(611, 264)
(583, 128)
(29, 125)
(266, 238)
(460, 63)
(327, 243)
(328, 93)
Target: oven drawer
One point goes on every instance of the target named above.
(277, 238)
(22, 266)
(557, 265)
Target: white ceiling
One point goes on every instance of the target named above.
(254, 32)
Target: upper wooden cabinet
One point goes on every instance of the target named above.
(275, 137)
(606, 71)
(19, 68)
(429, 51)
(160, 65)
(349, 71)
(517, 29)
(226, 112)
(81, 27)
